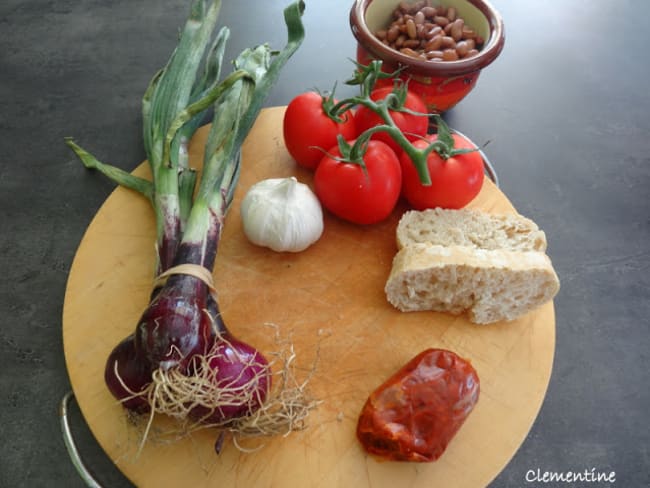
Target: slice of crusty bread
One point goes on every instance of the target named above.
(490, 285)
(472, 228)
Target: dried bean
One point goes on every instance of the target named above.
(409, 52)
(436, 31)
(449, 55)
(429, 12)
(434, 54)
(392, 34)
(428, 32)
(434, 44)
(457, 29)
(440, 20)
(410, 29)
(448, 42)
(468, 32)
(462, 48)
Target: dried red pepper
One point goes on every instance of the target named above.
(417, 411)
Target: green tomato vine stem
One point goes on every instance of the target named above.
(366, 77)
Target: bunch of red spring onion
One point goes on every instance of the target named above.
(181, 359)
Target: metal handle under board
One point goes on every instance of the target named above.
(70, 445)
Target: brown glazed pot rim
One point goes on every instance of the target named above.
(492, 48)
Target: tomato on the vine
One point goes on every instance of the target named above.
(412, 126)
(454, 181)
(308, 130)
(355, 194)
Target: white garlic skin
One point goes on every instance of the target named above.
(282, 214)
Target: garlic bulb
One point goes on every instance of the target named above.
(282, 214)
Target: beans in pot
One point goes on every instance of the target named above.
(430, 32)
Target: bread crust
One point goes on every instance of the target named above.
(491, 267)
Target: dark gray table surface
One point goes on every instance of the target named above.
(566, 109)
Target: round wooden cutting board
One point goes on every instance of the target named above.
(329, 297)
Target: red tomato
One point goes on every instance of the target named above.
(306, 128)
(357, 196)
(454, 182)
(412, 126)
